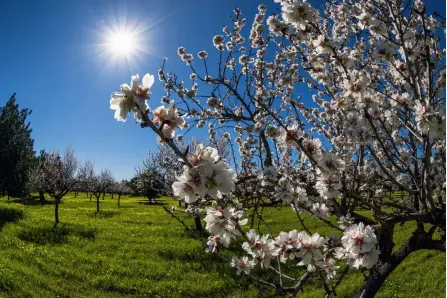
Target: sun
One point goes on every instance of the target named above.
(122, 42)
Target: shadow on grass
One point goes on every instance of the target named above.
(104, 214)
(8, 215)
(152, 203)
(55, 234)
(33, 201)
(189, 256)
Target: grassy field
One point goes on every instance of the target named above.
(137, 250)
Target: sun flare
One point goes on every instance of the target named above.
(122, 42)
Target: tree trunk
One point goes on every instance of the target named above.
(119, 197)
(97, 203)
(374, 282)
(103, 195)
(90, 197)
(41, 197)
(112, 195)
(388, 262)
(179, 203)
(198, 224)
(76, 194)
(56, 211)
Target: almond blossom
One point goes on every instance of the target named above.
(168, 119)
(243, 264)
(132, 97)
(223, 221)
(359, 246)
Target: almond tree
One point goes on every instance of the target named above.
(36, 177)
(331, 111)
(85, 176)
(99, 184)
(59, 176)
(120, 188)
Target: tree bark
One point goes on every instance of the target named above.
(41, 197)
(386, 264)
(119, 197)
(97, 203)
(103, 196)
(56, 211)
(198, 223)
(112, 195)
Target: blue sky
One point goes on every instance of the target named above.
(50, 56)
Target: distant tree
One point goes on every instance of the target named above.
(121, 188)
(150, 184)
(37, 176)
(16, 149)
(109, 188)
(133, 185)
(85, 175)
(59, 176)
(98, 184)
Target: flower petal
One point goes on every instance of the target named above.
(148, 80)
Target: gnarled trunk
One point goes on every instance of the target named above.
(389, 261)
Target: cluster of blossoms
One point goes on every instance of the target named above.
(207, 175)
(359, 246)
(168, 119)
(133, 98)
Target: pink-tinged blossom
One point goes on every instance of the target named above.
(290, 136)
(320, 211)
(359, 246)
(309, 248)
(287, 243)
(328, 186)
(222, 221)
(168, 119)
(132, 97)
(242, 264)
(330, 268)
(216, 240)
(260, 247)
(187, 185)
(422, 117)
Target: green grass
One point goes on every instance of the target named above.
(137, 250)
